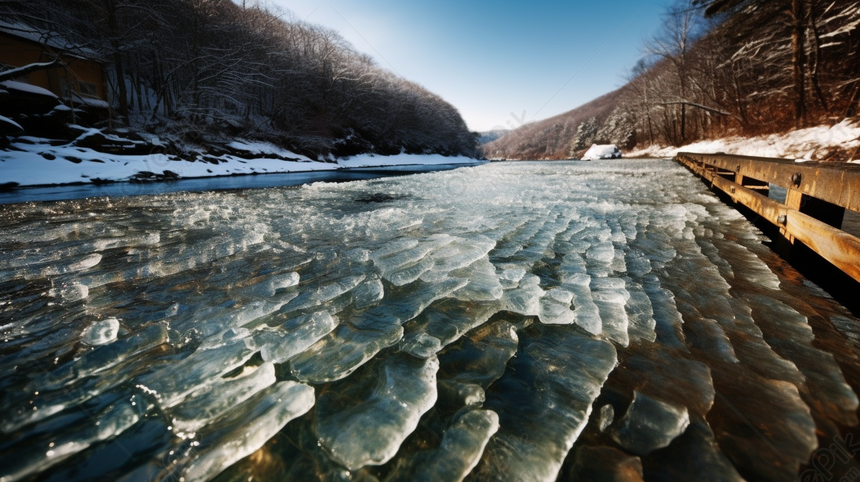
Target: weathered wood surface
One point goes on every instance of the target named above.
(835, 183)
(834, 245)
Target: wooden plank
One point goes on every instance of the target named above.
(835, 183)
(793, 200)
(836, 246)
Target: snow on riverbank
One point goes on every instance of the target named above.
(32, 161)
(812, 144)
(597, 152)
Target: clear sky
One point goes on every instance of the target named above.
(496, 60)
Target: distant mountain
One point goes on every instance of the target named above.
(490, 136)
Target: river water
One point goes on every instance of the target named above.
(533, 321)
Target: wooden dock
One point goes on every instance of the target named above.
(817, 196)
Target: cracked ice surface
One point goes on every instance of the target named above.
(532, 321)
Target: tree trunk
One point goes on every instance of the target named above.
(798, 51)
(854, 105)
(117, 59)
(650, 130)
(683, 123)
(816, 49)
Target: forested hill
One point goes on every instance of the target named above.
(717, 68)
(562, 136)
(195, 68)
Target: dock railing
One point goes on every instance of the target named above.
(814, 208)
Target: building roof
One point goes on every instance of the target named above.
(50, 39)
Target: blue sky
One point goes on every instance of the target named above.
(495, 60)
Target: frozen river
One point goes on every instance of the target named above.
(523, 322)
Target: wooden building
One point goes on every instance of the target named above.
(80, 80)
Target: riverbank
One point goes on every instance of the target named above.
(838, 143)
(96, 157)
(100, 159)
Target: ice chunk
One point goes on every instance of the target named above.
(84, 264)
(422, 346)
(198, 370)
(570, 370)
(707, 335)
(57, 397)
(104, 425)
(101, 332)
(607, 417)
(448, 319)
(391, 265)
(215, 400)
(611, 297)
(525, 299)
(295, 336)
(321, 294)
(462, 253)
(462, 446)
(411, 273)
(481, 356)
(510, 277)
(483, 282)
(637, 264)
(281, 404)
(555, 307)
(640, 314)
(105, 357)
(586, 312)
(70, 291)
(422, 295)
(368, 293)
(602, 253)
(667, 319)
(341, 352)
(650, 424)
(396, 246)
(277, 283)
(371, 431)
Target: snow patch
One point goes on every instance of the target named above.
(265, 148)
(597, 151)
(36, 162)
(27, 88)
(809, 144)
(7, 122)
(91, 102)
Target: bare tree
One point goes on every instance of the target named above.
(195, 66)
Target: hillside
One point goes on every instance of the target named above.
(555, 138)
(200, 72)
(718, 69)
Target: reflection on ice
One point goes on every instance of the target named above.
(562, 321)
